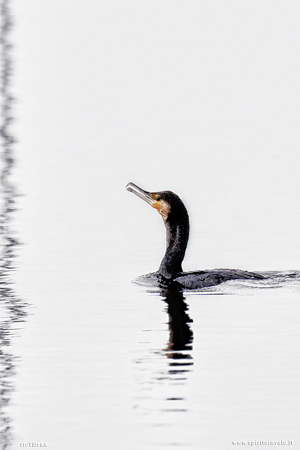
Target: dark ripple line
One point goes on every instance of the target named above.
(13, 305)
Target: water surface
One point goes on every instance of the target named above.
(200, 98)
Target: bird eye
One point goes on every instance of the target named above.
(158, 198)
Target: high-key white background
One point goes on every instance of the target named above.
(198, 97)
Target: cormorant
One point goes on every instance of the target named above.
(176, 220)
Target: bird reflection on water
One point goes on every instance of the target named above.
(179, 349)
(12, 307)
(181, 336)
(170, 366)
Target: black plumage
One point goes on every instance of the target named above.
(176, 220)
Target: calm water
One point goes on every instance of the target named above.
(191, 98)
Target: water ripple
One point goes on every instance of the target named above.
(13, 308)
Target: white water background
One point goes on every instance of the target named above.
(201, 98)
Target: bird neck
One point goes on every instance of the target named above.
(177, 234)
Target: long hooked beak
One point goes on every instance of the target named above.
(144, 195)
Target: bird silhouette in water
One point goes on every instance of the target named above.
(176, 220)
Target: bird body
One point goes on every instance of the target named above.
(176, 219)
(207, 278)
